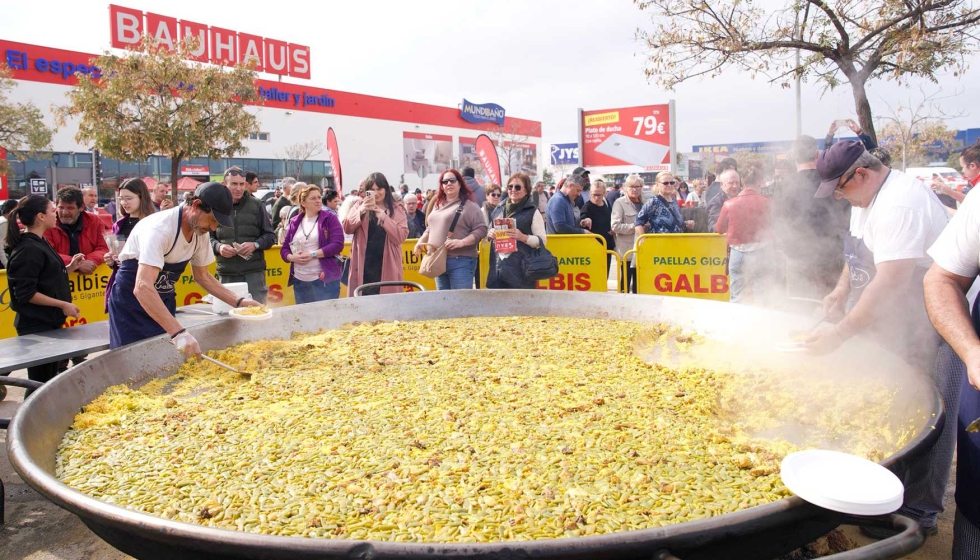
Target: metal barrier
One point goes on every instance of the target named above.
(682, 264)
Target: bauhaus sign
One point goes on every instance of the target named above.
(215, 44)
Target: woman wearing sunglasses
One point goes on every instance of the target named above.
(454, 196)
(661, 214)
(493, 200)
(528, 230)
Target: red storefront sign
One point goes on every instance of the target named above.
(627, 136)
(195, 170)
(216, 44)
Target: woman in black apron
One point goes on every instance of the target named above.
(37, 277)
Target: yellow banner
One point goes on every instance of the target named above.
(685, 264)
(88, 291)
(602, 118)
(581, 263)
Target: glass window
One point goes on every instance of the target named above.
(250, 165)
(83, 160)
(129, 169)
(278, 168)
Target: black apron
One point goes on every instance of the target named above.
(128, 321)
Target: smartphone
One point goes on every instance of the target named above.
(843, 122)
(633, 150)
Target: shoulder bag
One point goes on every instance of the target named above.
(434, 261)
(539, 264)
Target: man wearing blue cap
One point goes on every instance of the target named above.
(142, 300)
(895, 218)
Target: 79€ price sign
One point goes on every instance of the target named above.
(638, 136)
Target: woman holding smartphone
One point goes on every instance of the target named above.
(379, 227)
(38, 278)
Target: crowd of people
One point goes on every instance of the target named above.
(889, 258)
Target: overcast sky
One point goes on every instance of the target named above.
(540, 60)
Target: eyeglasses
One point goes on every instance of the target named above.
(449, 181)
(840, 187)
(515, 187)
(635, 187)
(668, 182)
(497, 194)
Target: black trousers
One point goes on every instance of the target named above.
(44, 372)
(630, 280)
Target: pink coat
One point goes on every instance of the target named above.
(396, 227)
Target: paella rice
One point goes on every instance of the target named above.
(461, 430)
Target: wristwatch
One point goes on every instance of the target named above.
(256, 243)
(313, 253)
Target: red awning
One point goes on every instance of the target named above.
(187, 184)
(150, 182)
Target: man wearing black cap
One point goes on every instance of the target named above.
(142, 301)
(895, 219)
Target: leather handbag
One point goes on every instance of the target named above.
(434, 261)
(539, 264)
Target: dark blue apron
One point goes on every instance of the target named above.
(128, 322)
(968, 445)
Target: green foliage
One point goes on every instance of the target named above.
(22, 129)
(548, 177)
(154, 102)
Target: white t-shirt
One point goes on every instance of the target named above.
(958, 248)
(902, 222)
(306, 238)
(154, 235)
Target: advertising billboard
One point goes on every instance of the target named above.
(432, 151)
(628, 136)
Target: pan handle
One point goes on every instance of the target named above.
(416, 285)
(904, 543)
(15, 382)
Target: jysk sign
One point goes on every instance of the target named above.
(484, 113)
(564, 154)
(216, 45)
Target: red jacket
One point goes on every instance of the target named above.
(90, 241)
(747, 218)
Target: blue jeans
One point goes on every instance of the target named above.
(316, 290)
(459, 274)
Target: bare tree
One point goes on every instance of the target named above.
(913, 129)
(296, 155)
(509, 141)
(890, 39)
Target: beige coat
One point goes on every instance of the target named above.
(623, 216)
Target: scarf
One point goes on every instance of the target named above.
(512, 207)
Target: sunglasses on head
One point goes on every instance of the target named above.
(449, 181)
(234, 173)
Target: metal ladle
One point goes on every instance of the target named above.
(244, 374)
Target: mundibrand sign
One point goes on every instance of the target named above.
(487, 112)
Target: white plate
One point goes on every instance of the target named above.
(236, 313)
(842, 482)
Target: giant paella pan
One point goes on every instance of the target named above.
(48, 447)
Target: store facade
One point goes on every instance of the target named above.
(395, 137)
